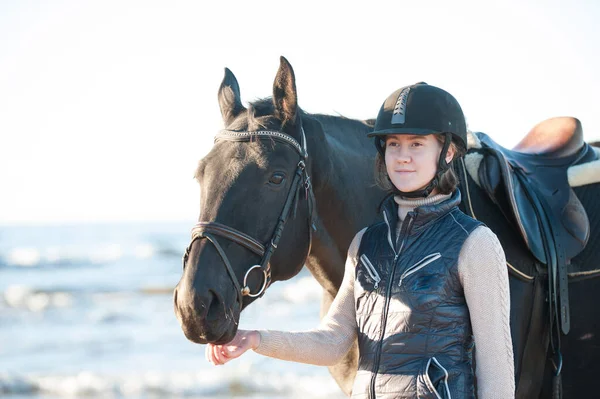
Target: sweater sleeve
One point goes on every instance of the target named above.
(331, 340)
(484, 277)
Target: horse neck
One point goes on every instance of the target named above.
(344, 204)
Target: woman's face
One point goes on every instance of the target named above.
(411, 160)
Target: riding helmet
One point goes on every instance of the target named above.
(421, 109)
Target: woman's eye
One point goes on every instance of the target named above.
(277, 178)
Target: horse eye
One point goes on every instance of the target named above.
(277, 178)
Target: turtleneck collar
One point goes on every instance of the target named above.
(429, 210)
(406, 205)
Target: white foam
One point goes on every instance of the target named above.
(70, 254)
(144, 251)
(240, 382)
(24, 256)
(38, 302)
(105, 254)
(16, 295)
(61, 300)
(303, 290)
(62, 255)
(25, 297)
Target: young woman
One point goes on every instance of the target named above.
(425, 292)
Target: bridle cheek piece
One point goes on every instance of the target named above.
(209, 230)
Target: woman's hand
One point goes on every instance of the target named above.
(243, 340)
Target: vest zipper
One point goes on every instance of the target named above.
(419, 265)
(371, 270)
(403, 233)
(389, 235)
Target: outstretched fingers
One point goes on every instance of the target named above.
(210, 354)
(221, 354)
(218, 354)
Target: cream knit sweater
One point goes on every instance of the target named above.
(483, 273)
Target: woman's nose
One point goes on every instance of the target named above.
(403, 156)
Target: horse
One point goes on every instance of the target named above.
(282, 188)
(246, 181)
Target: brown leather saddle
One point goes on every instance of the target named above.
(530, 186)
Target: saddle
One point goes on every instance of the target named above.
(530, 186)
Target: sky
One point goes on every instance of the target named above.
(107, 106)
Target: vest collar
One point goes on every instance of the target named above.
(421, 216)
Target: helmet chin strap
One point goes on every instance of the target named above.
(442, 167)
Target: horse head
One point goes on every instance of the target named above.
(255, 210)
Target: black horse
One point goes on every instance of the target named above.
(245, 186)
(276, 171)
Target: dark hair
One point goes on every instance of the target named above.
(448, 181)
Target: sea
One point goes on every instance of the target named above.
(86, 311)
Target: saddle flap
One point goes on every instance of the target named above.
(575, 219)
(518, 182)
(497, 179)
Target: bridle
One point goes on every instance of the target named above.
(209, 230)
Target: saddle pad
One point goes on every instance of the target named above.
(585, 173)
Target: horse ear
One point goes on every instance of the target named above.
(285, 99)
(229, 98)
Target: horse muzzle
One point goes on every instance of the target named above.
(205, 318)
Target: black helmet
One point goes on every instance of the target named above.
(421, 109)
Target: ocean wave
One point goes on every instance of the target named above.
(240, 382)
(302, 290)
(25, 297)
(56, 256)
(30, 257)
(23, 257)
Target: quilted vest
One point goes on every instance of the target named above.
(414, 330)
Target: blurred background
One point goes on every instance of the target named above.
(106, 108)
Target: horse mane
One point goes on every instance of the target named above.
(343, 122)
(260, 115)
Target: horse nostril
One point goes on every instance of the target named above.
(199, 305)
(213, 313)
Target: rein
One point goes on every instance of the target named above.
(209, 230)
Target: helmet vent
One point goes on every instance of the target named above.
(400, 109)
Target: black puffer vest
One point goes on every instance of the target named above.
(414, 330)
